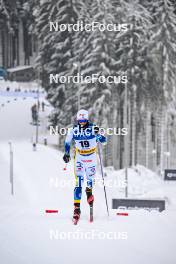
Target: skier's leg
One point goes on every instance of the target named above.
(36, 117)
(33, 117)
(90, 175)
(79, 176)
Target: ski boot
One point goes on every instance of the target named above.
(90, 197)
(77, 213)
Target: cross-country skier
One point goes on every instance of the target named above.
(85, 136)
(43, 106)
(34, 111)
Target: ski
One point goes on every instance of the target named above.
(75, 221)
(91, 214)
(76, 218)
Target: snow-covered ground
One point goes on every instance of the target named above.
(30, 236)
(142, 183)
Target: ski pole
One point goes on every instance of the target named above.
(102, 174)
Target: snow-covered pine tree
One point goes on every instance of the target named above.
(76, 62)
(94, 53)
(102, 62)
(163, 42)
(60, 61)
(9, 19)
(132, 50)
(45, 40)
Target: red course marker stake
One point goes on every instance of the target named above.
(123, 214)
(51, 211)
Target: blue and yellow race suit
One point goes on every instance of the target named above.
(85, 143)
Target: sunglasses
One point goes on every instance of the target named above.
(82, 121)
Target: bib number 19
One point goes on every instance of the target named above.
(84, 144)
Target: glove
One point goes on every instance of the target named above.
(96, 130)
(66, 157)
(101, 139)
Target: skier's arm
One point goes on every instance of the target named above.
(68, 141)
(67, 146)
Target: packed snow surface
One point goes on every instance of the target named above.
(30, 236)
